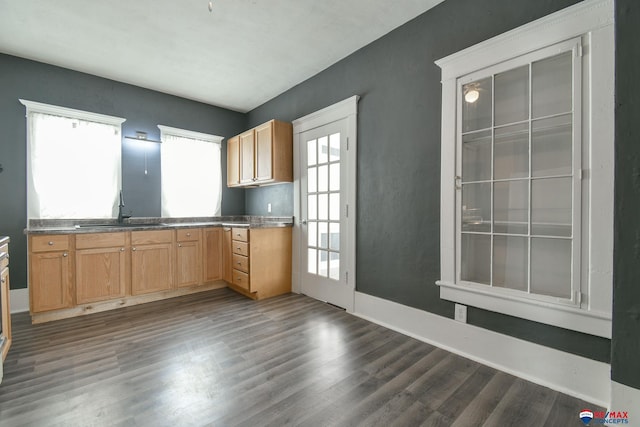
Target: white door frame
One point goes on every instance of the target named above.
(346, 109)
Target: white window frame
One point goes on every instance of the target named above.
(590, 311)
(214, 139)
(70, 113)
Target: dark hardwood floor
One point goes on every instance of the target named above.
(219, 359)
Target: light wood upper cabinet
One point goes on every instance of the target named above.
(100, 267)
(265, 155)
(188, 258)
(264, 152)
(212, 254)
(233, 161)
(151, 261)
(247, 154)
(50, 274)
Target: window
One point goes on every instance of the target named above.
(73, 162)
(526, 207)
(191, 173)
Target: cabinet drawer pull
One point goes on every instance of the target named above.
(239, 263)
(65, 254)
(50, 243)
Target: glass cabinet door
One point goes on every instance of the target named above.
(517, 195)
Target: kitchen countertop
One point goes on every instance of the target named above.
(110, 225)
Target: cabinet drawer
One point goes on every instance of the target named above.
(49, 243)
(188, 235)
(241, 263)
(149, 237)
(99, 240)
(241, 248)
(241, 279)
(241, 234)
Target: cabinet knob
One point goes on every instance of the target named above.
(65, 254)
(3, 280)
(50, 243)
(188, 234)
(239, 263)
(238, 247)
(121, 249)
(179, 245)
(133, 249)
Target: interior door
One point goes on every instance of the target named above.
(324, 217)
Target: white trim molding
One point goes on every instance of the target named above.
(591, 23)
(625, 398)
(190, 134)
(19, 299)
(38, 107)
(570, 374)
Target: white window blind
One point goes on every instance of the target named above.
(191, 174)
(74, 162)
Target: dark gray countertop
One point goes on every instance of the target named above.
(109, 225)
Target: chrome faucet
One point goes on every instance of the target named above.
(121, 216)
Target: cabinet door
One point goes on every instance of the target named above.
(233, 161)
(50, 284)
(212, 254)
(5, 311)
(227, 256)
(247, 153)
(264, 152)
(188, 255)
(100, 274)
(151, 269)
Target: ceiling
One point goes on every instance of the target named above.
(238, 56)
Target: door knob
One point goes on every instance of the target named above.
(303, 222)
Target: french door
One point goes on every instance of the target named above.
(324, 224)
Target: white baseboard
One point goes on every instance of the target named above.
(625, 398)
(570, 374)
(19, 299)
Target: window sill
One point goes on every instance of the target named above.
(581, 320)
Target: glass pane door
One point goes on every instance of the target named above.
(323, 212)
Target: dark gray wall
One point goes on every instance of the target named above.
(144, 110)
(398, 194)
(625, 351)
(280, 196)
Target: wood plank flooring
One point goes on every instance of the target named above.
(219, 359)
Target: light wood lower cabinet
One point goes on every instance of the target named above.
(212, 254)
(227, 255)
(261, 261)
(76, 274)
(100, 267)
(151, 261)
(50, 273)
(188, 258)
(5, 306)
